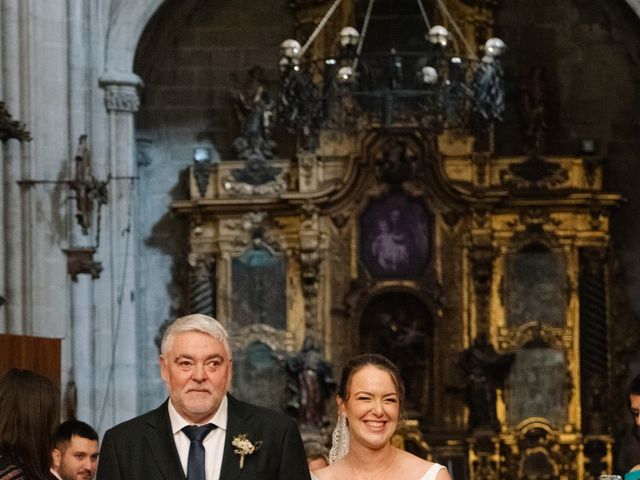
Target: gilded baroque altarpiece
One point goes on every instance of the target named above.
(428, 248)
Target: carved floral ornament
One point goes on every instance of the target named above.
(533, 332)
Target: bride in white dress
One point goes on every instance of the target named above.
(369, 400)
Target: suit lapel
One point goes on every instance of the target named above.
(237, 423)
(159, 437)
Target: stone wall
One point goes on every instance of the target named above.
(190, 57)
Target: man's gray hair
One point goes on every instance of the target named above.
(195, 322)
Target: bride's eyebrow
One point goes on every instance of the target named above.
(365, 392)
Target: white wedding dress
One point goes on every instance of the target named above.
(433, 472)
(429, 474)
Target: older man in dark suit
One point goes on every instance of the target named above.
(201, 432)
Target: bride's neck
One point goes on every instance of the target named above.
(363, 458)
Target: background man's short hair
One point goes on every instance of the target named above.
(634, 386)
(68, 429)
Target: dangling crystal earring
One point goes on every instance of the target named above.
(339, 440)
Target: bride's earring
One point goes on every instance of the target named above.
(339, 439)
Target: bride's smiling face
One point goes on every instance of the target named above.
(372, 407)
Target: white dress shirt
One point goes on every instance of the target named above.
(213, 442)
(55, 474)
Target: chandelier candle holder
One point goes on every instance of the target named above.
(435, 86)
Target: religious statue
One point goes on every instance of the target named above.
(484, 371)
(254, 108)
(395, 163)
(534, 111)
(311, 383)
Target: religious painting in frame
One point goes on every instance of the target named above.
(259, 375)
(535, 287)
(259, 289)
(536, 386)
(395, 237)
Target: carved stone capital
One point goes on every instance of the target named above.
(121, 98)
(80, 261)
(121, 91)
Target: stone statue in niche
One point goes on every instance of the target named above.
(484, 371)
(534, 111)
(395, 163)
(310, 384)
(255, 110)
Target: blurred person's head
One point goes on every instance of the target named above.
(634, 400)
(317, 455)
(29, 404)
(75, 451)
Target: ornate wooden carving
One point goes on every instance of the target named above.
(593, 340)
(80, 261)
(482, 256)
(87, 188)
(202, 284)
(310, 258)
(10, 128)
(483, 209)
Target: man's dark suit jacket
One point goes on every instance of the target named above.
(143, 448)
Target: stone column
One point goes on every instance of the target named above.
(13, 57)
(78, 352)
(116, 345)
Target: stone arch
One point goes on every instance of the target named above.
(124, 32)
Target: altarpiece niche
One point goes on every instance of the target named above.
(535, 286)
(399, 326)
(536, 385)
(258, 286)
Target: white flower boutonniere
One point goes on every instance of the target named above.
(244, 447)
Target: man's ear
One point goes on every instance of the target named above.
(230, 375)
(163, 369)
(56, 458)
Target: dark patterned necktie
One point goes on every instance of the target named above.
(195, 464)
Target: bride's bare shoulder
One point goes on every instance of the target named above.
(416, 467)
(410, 459)
(332, 472)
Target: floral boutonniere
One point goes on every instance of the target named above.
(244, 447)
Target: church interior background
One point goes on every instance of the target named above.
(151, 168)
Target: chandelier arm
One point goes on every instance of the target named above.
(447, 14)
(365, 25)
(320, 26)
(424, 15)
